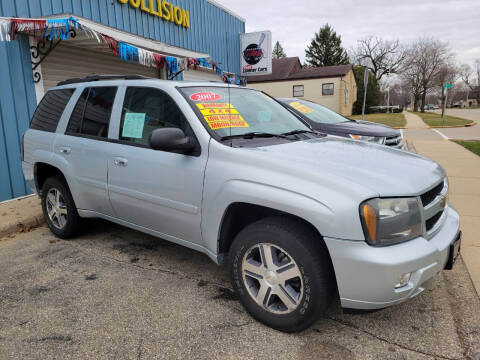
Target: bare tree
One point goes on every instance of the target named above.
(380, 56)
(425, 59)
(466, 73)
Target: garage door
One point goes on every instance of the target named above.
(69, 61)
(201, 75)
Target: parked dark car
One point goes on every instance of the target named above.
(330, 122)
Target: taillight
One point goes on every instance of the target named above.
(22, 151)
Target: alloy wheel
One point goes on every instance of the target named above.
(56, 208)
(273, 278)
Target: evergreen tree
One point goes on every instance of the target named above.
(278, 52)
(326, 49)
(373, 90)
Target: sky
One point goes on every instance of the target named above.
(294, 23)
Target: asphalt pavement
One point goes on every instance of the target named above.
(114, 293)
(462, 133)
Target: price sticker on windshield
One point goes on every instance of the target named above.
(221, 116)
(304, 109)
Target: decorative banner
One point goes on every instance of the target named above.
(61, 29)
(256, 53)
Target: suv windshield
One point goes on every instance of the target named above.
(315, 112)
(241, 111)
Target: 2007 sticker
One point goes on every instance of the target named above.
(205, 96)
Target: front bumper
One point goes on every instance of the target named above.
(366, 275)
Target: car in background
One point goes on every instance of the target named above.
(327, 121)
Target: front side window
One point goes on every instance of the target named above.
(147, 109)
(49, 111)
(239, 111)
(327, 89)
(91, 115)
(298, 90)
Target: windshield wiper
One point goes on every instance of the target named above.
(295, 132)
(252, 135)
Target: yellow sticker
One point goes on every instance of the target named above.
(225, 111)
(304, 109)
(216, 125)
(214, 106)
(221, 115)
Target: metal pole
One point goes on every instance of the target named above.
(365, 84)
(444, 106)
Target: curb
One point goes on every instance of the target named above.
(22, 227)
(473, 123)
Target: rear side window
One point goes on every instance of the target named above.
(91, 115)
(50, 110)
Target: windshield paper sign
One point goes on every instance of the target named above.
(256, 53)
(205, 96)
(304, 109)
(221, 116)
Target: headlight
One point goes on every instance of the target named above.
(374, 139)
(390, 221)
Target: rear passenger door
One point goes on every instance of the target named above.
(85, 148)
(156, 190)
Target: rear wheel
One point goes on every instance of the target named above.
(59, 209)
(282, 274)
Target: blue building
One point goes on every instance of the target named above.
(175, 28)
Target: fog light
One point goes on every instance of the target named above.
(404, 279)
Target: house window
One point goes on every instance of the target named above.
(297, 90)
(327, 89)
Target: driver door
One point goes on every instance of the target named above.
(156, 190)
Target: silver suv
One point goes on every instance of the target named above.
(298, 216)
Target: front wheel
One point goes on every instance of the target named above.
(282, 274)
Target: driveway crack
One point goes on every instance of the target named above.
(350, 325)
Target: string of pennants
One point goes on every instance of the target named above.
(60, 29)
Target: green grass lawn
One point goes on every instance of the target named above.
(395, 120)
(432, 119)
(472, 145)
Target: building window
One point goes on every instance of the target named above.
(327, 89)
(297, 90)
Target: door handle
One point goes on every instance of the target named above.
(64, 150)
(120, 161)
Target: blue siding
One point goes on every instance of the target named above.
(17, 103)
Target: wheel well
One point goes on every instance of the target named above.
(42, 172)
(239, 215)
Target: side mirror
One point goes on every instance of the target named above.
(172, 140)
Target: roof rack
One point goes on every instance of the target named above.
(90, 78)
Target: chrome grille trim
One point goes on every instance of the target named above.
(394, 141)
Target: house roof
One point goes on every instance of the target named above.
(291, 69)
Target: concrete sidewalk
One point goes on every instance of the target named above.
(463, 170)
(20, 215)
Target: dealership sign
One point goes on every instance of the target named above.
(256, 53)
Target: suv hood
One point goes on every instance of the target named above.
(378, 168)
(357, 127)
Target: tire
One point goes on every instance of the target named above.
(65, 223)
(290, 305)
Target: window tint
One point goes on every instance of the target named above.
(50, 109)
(75, 124)
(147, 109)
(91, 115)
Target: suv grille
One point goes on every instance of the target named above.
(394, 141)
(430, 195)
(430, 223)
